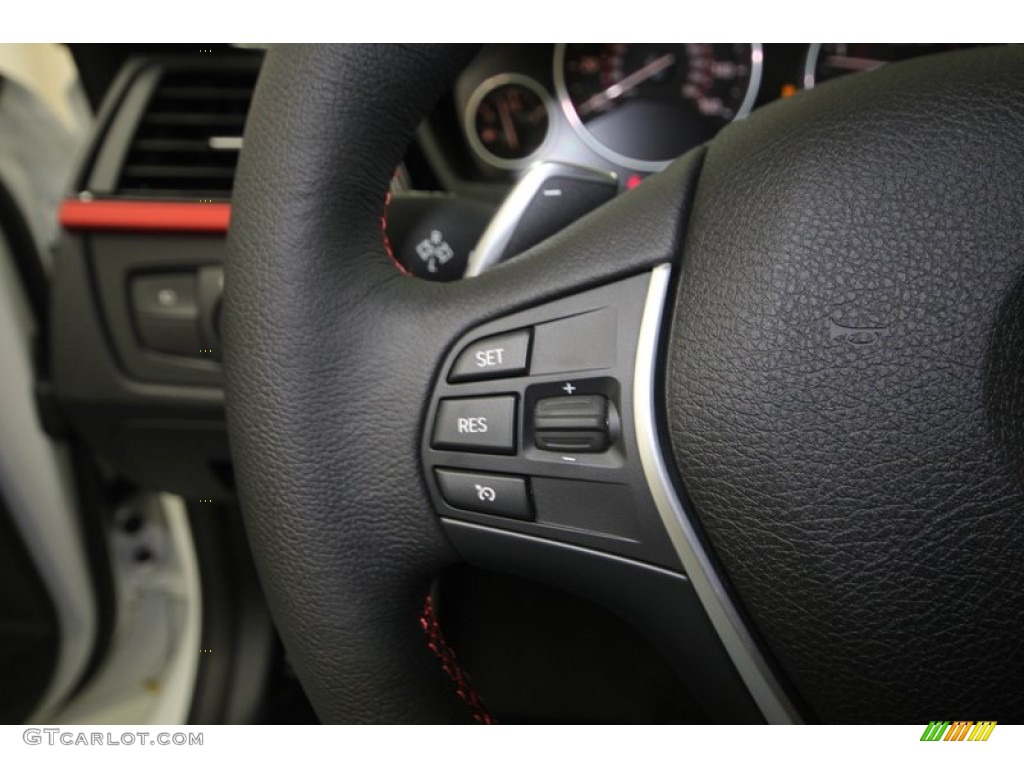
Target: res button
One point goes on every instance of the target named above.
(481, 424)
(495, 356)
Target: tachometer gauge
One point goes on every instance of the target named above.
(641, 105)
(507, 120)
(826, 61)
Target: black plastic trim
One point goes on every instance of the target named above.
(231, 682)
(105, 116)
(115, 259)
(100, 402)
(659, 603)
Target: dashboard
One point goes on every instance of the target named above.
(628, 108)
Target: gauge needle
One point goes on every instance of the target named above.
(508, 125)
(853, 62)
(615, 90)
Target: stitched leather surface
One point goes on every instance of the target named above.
(331, 354)
(866, 499)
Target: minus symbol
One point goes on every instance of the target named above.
(568, 458)
(552, 193)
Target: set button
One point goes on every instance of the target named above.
(504, 355)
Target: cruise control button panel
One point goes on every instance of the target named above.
(542, 400)
(484, 424)
(491, 494)
(496, 356)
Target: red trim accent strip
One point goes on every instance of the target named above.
(145, 216)
(450, 664)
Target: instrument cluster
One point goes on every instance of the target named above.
(632, 108)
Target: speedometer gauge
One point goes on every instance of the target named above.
(641, 105)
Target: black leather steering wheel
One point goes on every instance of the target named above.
(832, 462)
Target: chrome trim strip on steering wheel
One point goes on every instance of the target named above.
(490, 250)
(764, 688)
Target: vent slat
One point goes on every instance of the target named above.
(176, 172)
(181, 192)
(184, 92)
(171, 154)
(170, 145)
(231, 122)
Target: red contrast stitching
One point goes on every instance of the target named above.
(387, 240)
(450, 664)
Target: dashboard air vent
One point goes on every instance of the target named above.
(187, 142)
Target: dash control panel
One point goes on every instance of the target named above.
(530, 426)
(177, 313)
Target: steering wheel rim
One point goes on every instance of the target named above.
(331, 356)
